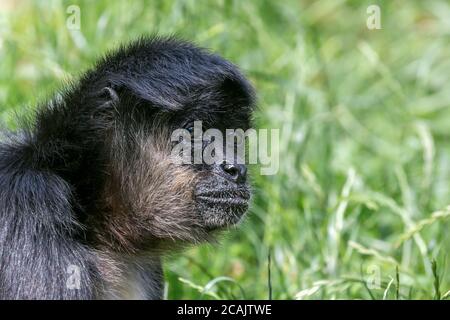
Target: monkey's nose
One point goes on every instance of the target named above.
(237, 172)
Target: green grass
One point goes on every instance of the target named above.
(359, 208)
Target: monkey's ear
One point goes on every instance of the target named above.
(109, 96)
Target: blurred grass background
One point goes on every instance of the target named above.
(364, 179)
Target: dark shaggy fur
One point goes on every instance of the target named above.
(89, 183)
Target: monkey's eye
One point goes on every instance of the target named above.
(194, 137)
(191, 130)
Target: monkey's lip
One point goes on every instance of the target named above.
(225, 196)
(230, 202)
(232, 198)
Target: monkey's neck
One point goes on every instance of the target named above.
(131, 277)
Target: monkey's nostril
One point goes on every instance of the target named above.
(231, 169)
(237, 172)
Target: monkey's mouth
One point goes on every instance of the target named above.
(224, 207)
(237, 201)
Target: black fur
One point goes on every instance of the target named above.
(53, 172)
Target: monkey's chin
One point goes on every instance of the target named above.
(222, 212)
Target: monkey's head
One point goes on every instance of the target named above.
(133, 191)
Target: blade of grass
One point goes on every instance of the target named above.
(437, 281)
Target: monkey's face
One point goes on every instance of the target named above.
(221, 192)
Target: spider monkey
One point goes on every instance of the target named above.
(88, 184)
